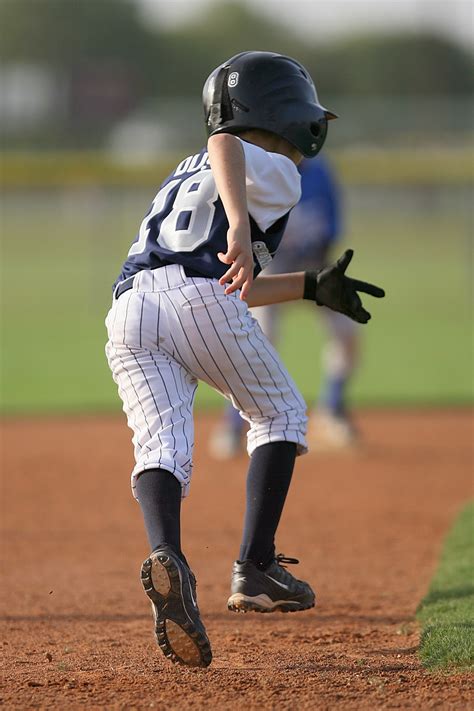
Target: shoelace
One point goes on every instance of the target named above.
(282, 558)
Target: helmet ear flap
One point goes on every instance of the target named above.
(319, 130)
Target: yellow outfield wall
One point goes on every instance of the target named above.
(356, 166)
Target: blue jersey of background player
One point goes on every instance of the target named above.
(315, 223)
(314, 227)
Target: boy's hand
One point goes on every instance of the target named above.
(239, 255)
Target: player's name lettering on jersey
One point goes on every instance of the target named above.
(192, 164)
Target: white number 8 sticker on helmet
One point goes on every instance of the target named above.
(233, 79)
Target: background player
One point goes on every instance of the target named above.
(314, 226)
(180, 314)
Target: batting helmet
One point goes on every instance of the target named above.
(267, 91)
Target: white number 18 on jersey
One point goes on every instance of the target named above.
(188, 223)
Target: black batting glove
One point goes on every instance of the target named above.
(331, 287)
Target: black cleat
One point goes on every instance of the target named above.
(171, 587)
(268, 590)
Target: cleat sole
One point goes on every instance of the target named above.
(262, 603)
(177, 636)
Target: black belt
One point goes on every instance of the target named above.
(127, 283)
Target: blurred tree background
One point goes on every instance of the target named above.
(75, 71)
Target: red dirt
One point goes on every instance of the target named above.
(367, 527)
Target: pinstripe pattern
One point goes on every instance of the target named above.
(170, 331)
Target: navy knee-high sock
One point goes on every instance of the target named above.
(268, 481)
(159, 496)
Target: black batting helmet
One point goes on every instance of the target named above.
(267, 91)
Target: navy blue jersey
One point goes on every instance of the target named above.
(186, 224)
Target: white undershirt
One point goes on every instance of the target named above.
(273, 184)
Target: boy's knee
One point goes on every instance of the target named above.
(288, 426)
(178, 466)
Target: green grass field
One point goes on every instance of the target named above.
(62, 250)
(447, 612)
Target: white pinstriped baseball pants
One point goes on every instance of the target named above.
(168, 332)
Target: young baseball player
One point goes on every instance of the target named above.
(180, 314)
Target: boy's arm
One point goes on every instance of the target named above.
(276, 288)
(227, 160)
(327, 287)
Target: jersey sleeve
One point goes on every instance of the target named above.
(273, 185)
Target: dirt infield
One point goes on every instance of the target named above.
(367, 527)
